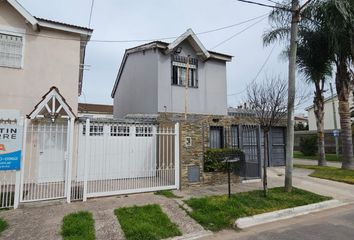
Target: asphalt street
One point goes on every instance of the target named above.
(333, 224)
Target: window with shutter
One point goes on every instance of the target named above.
(11, 50)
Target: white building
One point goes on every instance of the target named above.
(329, 113)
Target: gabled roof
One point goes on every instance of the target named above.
(168, 48)
(193, 40)
(24, 13)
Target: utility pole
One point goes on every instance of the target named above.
(335, 132)
(186, 90)
(295, 9)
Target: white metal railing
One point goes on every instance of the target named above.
(44, 162)
(120, 158)
(7, 188)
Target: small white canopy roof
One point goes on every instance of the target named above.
(52, 105)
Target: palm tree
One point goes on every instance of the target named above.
(313, 61)
(337, 16)
(336, 19)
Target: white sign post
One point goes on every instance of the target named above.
(11, 146)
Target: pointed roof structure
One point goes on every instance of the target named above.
(168, 48)
(193, 40)
(52, 105)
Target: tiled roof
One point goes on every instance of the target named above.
(95, 108)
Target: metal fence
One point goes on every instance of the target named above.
(244, 137)
(120, 158)
(7, 188)
(44, 162)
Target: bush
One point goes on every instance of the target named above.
(213, 158)
(308, 145)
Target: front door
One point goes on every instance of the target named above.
(52, 150)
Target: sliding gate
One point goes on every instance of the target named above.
(121, 157)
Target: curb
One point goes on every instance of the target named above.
(255, 220)
(193, 236)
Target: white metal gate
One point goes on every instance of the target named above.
(120, 158)
(44, 163)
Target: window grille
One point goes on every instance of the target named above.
(95, 130)
(143, 131)
(120, 131)
(11, 50)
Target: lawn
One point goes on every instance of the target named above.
(219, 212)
(167, 193)
(78, 226)
(3, 225)
(329, 157)
(330, 173)
(146, 222)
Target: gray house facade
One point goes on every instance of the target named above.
(152, 78)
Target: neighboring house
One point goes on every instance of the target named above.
(329, 121)
(151, 79)
(37, 54)
(95, 110)
(301, 119)
(41, 73)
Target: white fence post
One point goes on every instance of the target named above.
(177, 160)
(70, 158)
(86, 160)
(19, 173)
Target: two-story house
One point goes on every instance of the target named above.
(37, 54)
(41, 75)
(151, 79)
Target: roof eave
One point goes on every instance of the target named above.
(66, 28)
(24, 13)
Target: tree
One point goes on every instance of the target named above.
(314, 62)
(286, 18)
(337, 17)
(269, 101)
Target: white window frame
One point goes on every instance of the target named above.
(19, 32)
(181, 82)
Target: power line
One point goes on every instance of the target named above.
(90, 18)
(265, 5)
(238, 33)
(258, 73)
(139, 40)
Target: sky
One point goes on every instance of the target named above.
(156, 19)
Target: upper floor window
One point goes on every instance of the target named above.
(11, 53)
(179, 71)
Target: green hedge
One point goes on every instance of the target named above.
(308, 145)
(213, 158)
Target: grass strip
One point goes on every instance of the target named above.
(330, 173)
(146, 222)
(3, 225)
(329, 157)
(219, 212)
(167, 193)
(78, 226)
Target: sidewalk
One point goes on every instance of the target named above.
(44, 222)
(314, 162)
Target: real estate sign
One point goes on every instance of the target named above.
(10, 140)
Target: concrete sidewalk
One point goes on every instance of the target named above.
(40, 222)
(44, 222)
(314, 162)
